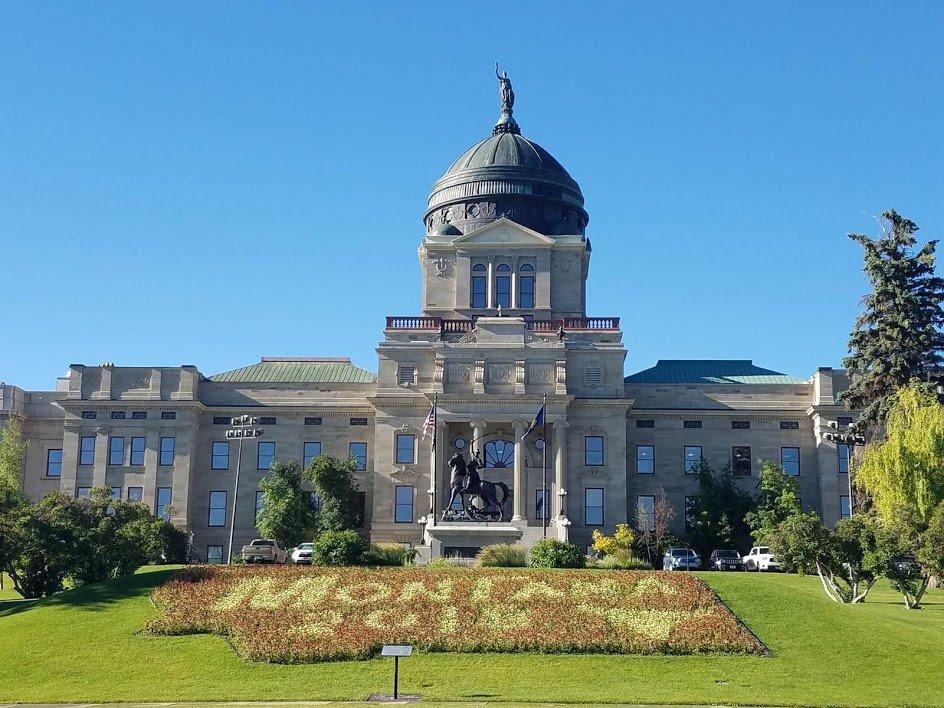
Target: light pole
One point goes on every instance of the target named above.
(850, 438)
(243, 427)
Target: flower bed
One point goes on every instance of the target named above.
(296, 615)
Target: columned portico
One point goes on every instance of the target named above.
(559, 437)
(519, 493)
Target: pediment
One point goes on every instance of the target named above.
(503, 232)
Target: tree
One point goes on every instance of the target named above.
(715, 515)
(337, 493)
(620, 544)
(777, 501)
(930, 550)
(653, 536)
(287, 514)
(897, 339)
(338, 548)
(12, 456)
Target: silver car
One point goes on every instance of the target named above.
(681, 559)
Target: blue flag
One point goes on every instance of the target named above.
(538, 422)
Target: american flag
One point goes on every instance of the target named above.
(430, 422)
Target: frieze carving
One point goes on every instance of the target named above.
(481, 210)
(438, 374)
(469, 337)
(561, 387)
(540, 373)
(519, 376)
(478, 385)
(442, 266)
(402, 471)
(459, 373)
(499, 373)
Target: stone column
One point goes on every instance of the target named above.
(478, 433)
(559, 433)
(491, 284)
(520, 492)
(434, 468)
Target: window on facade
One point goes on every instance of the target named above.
(168, 415)
(645, 459)
(116, 451)
(789, 425)
(215, 555)
(790, 460)
(503, 286)
(118, 415)
(845, 510)
(526, 286)
(693, 458)
(89, 415)
(358, 421)
(741, 460)
(162, 503)
(114, 492)
(645, 424)
(406, 445)
(87, 450)
(260, 497)
(313, 502)
(168, 447)
(217, 515)
(593, 375)
(138, 415)
(135, 494)
(740, 425)
(646, 511)
(499, 454)
(691, 511)
(222, 420)
(268, 420)
(403, 513)
(313, 420)
(220, 456)
(593, 450)
(83, 492)
(137, 452)
(406, 375)
(265, 453)
(593, 506)
(691, 424)
(541, 504)
(53, 463)
(310, 450)
(479, 286)
(358, 451)
(360, 509)
(843, 458)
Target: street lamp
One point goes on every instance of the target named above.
(243, 427)
(850, 438)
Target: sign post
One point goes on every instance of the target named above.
(396, 651)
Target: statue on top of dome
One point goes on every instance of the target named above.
(505, 92)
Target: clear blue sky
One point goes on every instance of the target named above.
(212, 182)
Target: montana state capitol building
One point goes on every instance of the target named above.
(502, 323)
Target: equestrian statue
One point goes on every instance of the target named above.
(466, 485)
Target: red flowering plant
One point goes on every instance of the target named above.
(297, 615)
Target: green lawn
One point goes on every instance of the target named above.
(7, 592)
(82, 646)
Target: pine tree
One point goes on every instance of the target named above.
(897, 340)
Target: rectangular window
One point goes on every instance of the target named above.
(87, 450)
(526, 292)
(645, 424)
(137, 452)
(168, 415)
(138, 415)
(741, 460)
(845, 511)
(740, 425)
(691, 511)
(215, 555)
(479, 294)
(503, 291)
(843, 458)
(135, 494)
(358, 451)
(406, 376)
(118, 415)
(310, 450)
(541, 504)
(222, 420)
(267, 420)
(406, 446)
(260, 497)
(358, 421)
(693, 424)
(693, 458)
(593, 506)
(360, 509)
(83, 492)
(116, 451)
(220, 456)
(403, 514)
(53, 463)
(645, 459)
(265, 453)
(593, 450)
(789, 425)
(313, 502)
(168, 446)
(312, 420)
(89, 415)
(217, 515)
(115, 492)
(646, 511)
(162, 503)
(790, 460)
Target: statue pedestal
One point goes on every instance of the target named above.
(448, 538)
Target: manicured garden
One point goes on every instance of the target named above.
(87, 645)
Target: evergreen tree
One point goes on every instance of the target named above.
(897, 339)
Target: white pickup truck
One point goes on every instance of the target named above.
(760, 558)
(263, 550)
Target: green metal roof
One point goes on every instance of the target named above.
(710, 371)
(275, 370)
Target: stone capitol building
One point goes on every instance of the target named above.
(503, 325)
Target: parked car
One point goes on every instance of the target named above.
(302, 554)
(681, 559)
(263, 550)
(725, 560)
(760, 558)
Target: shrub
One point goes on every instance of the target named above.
(622, 562)
(502, 555)
(442, 562)
(551, 553)
(388, 553)
(338, 548)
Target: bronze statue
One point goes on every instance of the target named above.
(465, 481)
(505, 92)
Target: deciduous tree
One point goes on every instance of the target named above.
(777, 501)
(336, 489)
(287, 514)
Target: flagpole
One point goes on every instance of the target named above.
(544, 494)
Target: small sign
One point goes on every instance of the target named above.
(396, 650)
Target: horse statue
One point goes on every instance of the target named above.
(465, 481)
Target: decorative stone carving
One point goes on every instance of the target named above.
(499, 373)
(442, 267)
(540, 373)
(458, 372)
(520, 376)
(402, 471)
(469, 337)
(478, 385)
(438, 375)
(561, 388)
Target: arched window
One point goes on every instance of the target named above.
(526, 286)
(503, 286)
(499, 454)
(479, 285)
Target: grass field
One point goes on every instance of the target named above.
(84, 645)
(8, 593)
